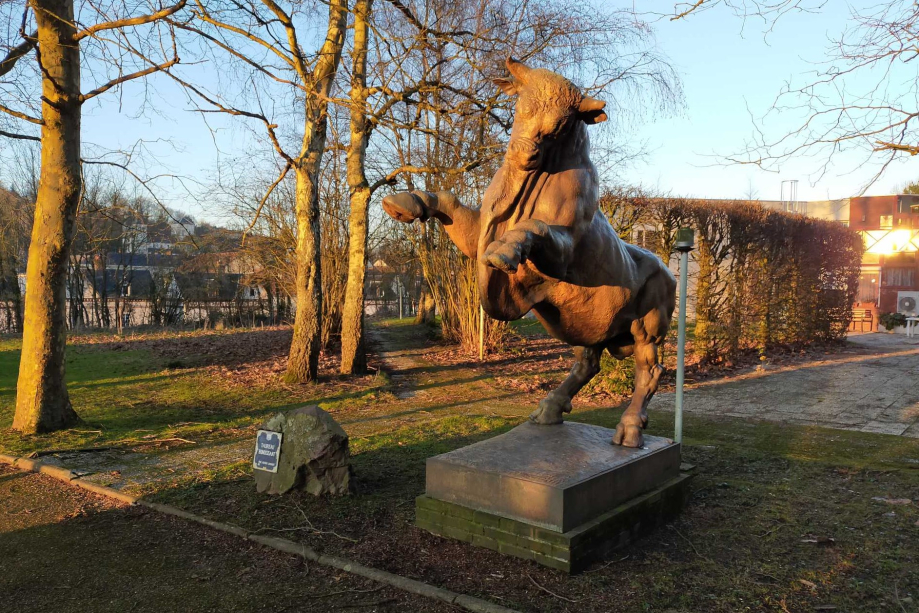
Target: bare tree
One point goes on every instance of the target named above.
(264, 38)
(453, 131)
(112, 43)
(862, 99)
(353, 351)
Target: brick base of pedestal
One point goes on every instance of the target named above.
(566, 551)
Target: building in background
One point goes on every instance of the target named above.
(890, 228)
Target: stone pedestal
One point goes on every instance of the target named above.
(561, 495)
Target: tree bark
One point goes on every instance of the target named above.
(353, 346)
(42, 401)
(303, 362)
(425, 314)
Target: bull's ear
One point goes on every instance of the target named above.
(508, 86)
(590, 111)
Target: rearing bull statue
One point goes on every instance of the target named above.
(542, 244)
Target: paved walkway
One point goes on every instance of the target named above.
(877, 391)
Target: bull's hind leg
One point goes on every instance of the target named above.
(649, 333)
(647, 378)
(552, 407)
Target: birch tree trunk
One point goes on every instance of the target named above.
(353, 346)
(42, 401)
(303, 362)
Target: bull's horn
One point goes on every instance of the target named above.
(518, 69)
(591, 105)
(591, 110)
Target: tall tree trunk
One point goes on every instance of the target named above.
(303, 362)
(42, 402)
(353, 346)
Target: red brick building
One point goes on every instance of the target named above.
(890, 227)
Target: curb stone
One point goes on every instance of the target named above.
(470, 603)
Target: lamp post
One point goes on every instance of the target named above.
(685, 241)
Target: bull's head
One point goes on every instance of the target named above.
(548, 107)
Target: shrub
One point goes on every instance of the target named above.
(892, 320)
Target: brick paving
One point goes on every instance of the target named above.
(877, 391)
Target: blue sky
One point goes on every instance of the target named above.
(726, 66)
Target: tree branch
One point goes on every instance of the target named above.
(284, 18)
(261, 204)
(133, 21)
(17, 52)
(412, 19)
(390, 179)
(204, 16)
(129, 77)
(270, 127)
(910, 149)
(22, 116)
(689, 10)
(19, 136)
(232, 51)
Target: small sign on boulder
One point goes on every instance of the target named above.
(302, 449)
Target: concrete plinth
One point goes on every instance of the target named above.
(561, 495)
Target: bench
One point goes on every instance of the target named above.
(861, 316)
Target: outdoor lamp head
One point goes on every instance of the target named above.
(685, 239)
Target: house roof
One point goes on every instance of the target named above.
(139, 282)
(210, 286)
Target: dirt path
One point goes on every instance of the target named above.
(63, 550)
(877, 392)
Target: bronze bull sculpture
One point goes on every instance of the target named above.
(542, 244)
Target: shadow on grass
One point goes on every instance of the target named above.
(132, 560)
(759, 488)
(432, 409)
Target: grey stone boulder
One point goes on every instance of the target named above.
(314, 454)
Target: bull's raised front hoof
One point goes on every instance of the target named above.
(550, 410)
(404, 206)
(503, 256)
(628, 436)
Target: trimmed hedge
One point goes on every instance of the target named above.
(763, 278)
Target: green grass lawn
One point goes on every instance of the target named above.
(125, 394)
(763, 492)
(761, 495)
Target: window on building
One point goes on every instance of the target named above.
(899, 277)
(886, 222)
(868, 287)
